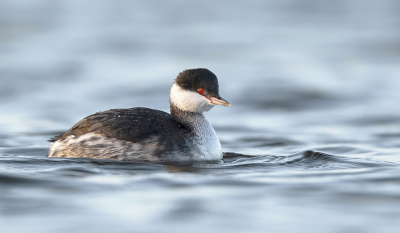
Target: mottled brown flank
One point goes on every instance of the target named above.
(97, 147)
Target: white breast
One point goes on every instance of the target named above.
(206, 143)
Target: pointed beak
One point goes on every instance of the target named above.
(219, 101)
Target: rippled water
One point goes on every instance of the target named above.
(311, 142)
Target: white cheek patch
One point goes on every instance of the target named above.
(189, 101)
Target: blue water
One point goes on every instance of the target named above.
(311, 142)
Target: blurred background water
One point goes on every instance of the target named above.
(311, 142)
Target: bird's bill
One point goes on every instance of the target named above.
(219, 101)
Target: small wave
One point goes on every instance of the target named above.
(315, 159)
(306, 160)
(40, 151)
(12, 179)
(70, 171)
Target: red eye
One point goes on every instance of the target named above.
(200, 90)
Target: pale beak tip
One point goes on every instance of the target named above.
(219, 101)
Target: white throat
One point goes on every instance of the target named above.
(189, 101)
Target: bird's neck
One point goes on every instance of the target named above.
(205, 141)
(185, 117)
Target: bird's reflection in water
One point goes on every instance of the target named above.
(193, 167)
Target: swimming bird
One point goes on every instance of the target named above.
(143, 134)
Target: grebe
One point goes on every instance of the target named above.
(143, 134)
